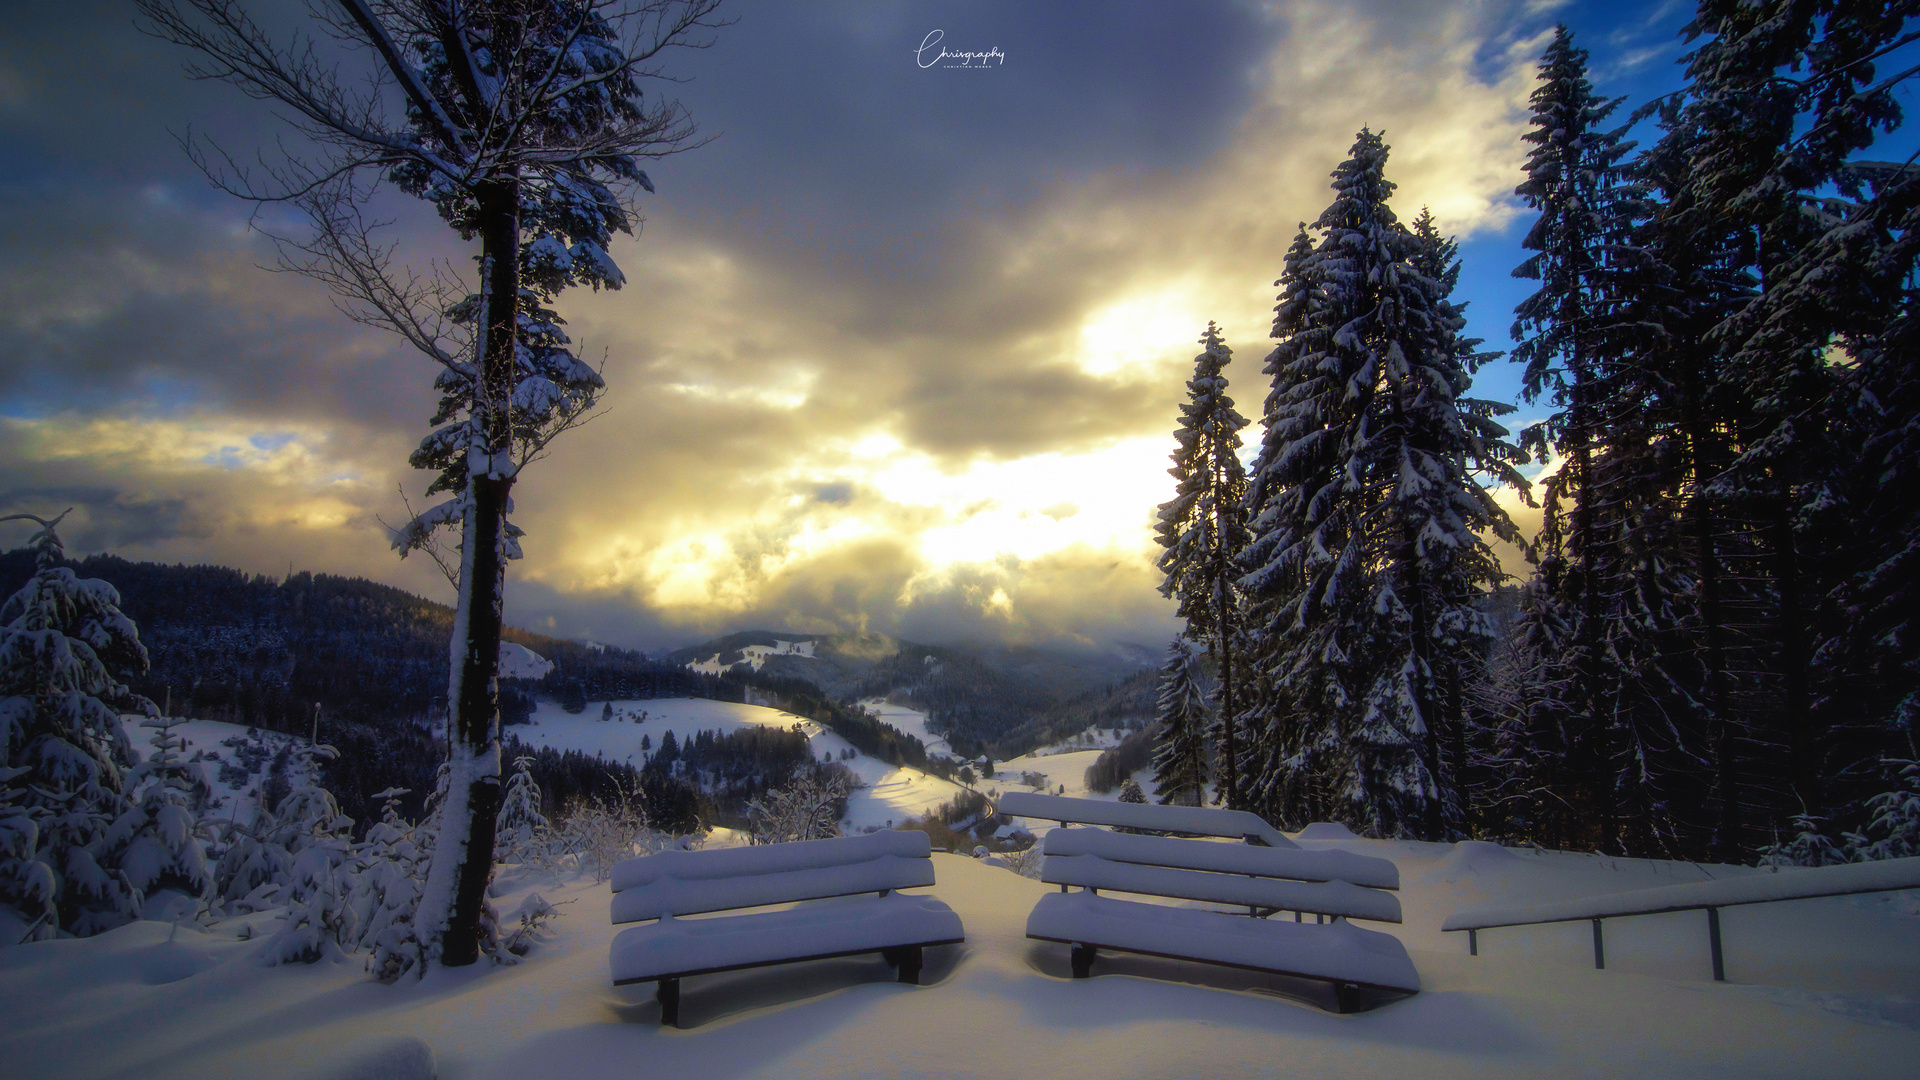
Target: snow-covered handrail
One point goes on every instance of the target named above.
(1807, 884)
(1189, 820)
(1890, 875)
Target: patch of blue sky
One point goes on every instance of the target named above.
(272, 440)
(228, 457)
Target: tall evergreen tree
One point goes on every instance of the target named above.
(65, 653)
(522, 123)
(1371, 487)
(1180, 762)
(1203, 527)
(1781, 96)
(1564, 334)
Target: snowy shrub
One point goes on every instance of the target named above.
(65, 651)
(1810, 846)
(529, 922)
(1893, 832)
(808, 808)
(26, 883)
(594, 834)
(1025, 862)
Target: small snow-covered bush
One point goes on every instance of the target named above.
(1810, 846)
(1025, 862)
(1893, 831)
(807, 808)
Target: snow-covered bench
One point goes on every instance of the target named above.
(1185, 820)
(1363, 965)
(672, 884)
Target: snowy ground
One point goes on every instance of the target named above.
(1067, 768)
(1827, 988)
(891, 795)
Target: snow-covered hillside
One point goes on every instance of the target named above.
(1826, 988)
(755, 656)
(891, 794)
(910, 721)
(520, 662)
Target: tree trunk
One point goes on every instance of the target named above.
(463, 852)
(1727, 836)
(1794, 657)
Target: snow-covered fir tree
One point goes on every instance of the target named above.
(1565, 334)
(1204, 529)
(520, 817)
(1370, 456)
(65, 649)
(1290, 741)
(1180, 761)
(317, 841)
(384, 899)
(157, 841)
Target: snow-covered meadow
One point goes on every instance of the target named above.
(891, 794)
(1823, 988)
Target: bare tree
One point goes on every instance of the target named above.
(523, 122)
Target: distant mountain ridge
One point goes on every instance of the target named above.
(994, 699)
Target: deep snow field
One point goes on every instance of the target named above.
(1820, 988)
(892, 795)
(1825, 988)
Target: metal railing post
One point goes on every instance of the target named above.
(1713, 942)
(1473, 943)
(1599, 948)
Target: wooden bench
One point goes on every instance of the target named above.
(672, 884)
(1365, 967)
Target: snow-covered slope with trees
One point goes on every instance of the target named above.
(892, 794)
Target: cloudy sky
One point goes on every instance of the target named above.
(900, 349)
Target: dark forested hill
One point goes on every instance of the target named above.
(249, 649)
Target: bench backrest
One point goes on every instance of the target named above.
(693, 882)
(1336, 883)
(1184, 820)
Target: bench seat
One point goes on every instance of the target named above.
(1338, 952)
(673, 948)
(1339, 898)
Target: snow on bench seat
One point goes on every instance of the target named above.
(681, 947)
(1330, 865)
(677, 883)
(1337, 952)
(767, 858)
(1337, 898)
(680, 896)
(1190, 820)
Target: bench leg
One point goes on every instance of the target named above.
(909, 965)
(1082, 958)
(1346, 998)
(669, 996)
